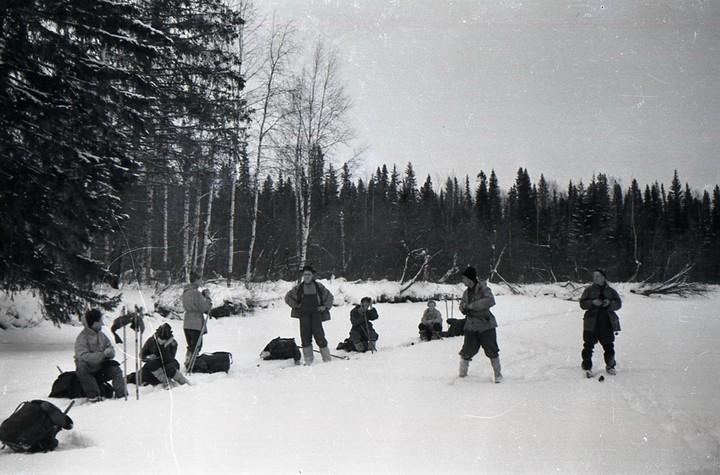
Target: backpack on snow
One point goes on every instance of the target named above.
(213, 362)
(67, 386)
(33, 427)
(456, 327)
(281, 349)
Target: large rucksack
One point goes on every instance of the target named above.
(456, 327)
(33, 427)
(281, 349)
(68, 386)
(213, 362)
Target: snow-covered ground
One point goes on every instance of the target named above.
(402, 410)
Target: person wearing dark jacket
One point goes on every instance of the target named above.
(310, 302)
(196, 304)
(480, 323)
(600, 322)
(94, 361)
(158, 354)
(362, 334)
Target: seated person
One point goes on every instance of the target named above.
(362, 334)
(431, 324)
(158, 353)
(94, 361)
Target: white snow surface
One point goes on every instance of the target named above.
(400, 410)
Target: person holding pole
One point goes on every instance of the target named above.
(196, 304)
(362, 334)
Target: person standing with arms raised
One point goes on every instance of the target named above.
(310, 302)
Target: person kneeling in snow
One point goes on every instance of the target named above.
(94, 361)
(480, 324)
(431, 324)
(362, 334)
(600, 302)
(158, 353)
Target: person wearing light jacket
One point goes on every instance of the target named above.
(600, 322)
(94, 361)
(196, 305)
(480, 323)
(311, 302)
(431, 323)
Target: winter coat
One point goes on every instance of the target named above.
(154, 350)
(591, 311)
(294, 299)
(475, 305)
(90, 349)
(431, 316)
(195, 305)
(362, 329)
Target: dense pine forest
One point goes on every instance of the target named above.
(141, 140)
(388, 225)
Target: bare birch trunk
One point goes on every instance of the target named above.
(208, 221)
(186, 246)
(165, 228)
(196, 225)
(147, 264)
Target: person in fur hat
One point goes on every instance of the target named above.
(480, 323)
(158, 353)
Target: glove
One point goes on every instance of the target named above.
(321, 308)
(108, 352)
(206, 293)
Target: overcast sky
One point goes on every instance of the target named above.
(566, 88)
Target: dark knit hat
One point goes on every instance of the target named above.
(308, 268)
(602, 272)
(164, 332)
(92, 316)
(470, 273)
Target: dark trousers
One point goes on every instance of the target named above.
(193, 340)
(475, 340)
(426, 332)
(90, 380)
(606, 339)
(311, 326)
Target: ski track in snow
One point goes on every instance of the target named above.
(402, 409)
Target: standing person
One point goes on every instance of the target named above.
(94, 361)
(431, 323)
(158, 353)
(362, 334)
(196, 305)
(600, 322)
(480, 323)
(311, 302)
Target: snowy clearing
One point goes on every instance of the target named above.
(401, 410)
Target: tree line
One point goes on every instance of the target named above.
(390, 226)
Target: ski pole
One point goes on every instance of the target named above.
(58, 368)
(367, 333)
(72, 403)
(137, 366)
(125, 360)
(447, 314)
(334, 356)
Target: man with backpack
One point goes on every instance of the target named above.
(94, 361)
(310, 302)
(196, 304)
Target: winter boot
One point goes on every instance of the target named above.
(162, 377)
(180, 378)
(308, 355)
(325, 353)
(464, 364)
(496, 369)
(611, 370)
(371, 346)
